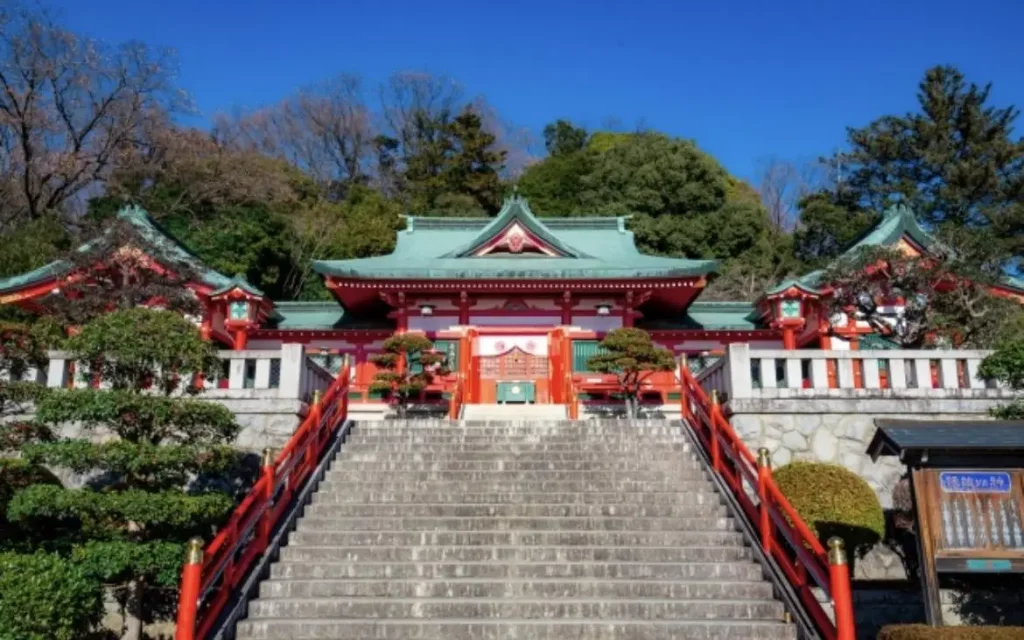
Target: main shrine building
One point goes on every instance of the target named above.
(511, 299)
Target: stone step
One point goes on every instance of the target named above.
(505, 537)
(515, 554)
(519, 448)
(338, 479)
(683, 508)
(677, 572)
(554, 437)
(642, 609)
(516, 588)
(510, 456)
(324, 518)
(378, 483)
(408, 464)
(518, 629)
(438, 496)
(641, 434)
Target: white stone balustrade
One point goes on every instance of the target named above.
(287, 373)
(746, 373)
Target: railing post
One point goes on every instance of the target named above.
(839, 581)
(188, 596)
(764, 475)
(684, 390)
(716, 413)
(267, 520)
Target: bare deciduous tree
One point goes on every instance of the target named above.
(68, 105)
(325, 129)
(189, 167)
(783, 183)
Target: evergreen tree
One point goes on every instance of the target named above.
(829, 225)
(955, 162)
(128, 525)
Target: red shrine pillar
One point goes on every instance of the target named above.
(627, 311)
(567, 308)
(463, 308)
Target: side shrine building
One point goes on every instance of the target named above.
(514, 298)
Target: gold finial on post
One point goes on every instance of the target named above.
(316, 398)
(346, 362)
(764, 457)
(268, 457)
(194, 553)
(836, 551)
(714, 396)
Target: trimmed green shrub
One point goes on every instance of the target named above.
(926, 632)
(15, 475)
(44, 597)
(834, 501)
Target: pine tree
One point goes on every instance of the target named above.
(128, 525)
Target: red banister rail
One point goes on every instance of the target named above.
(211, 576)
(782, 534)
(455, 403)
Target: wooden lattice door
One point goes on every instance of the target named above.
(514, 365)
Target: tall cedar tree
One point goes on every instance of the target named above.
(128, 525)
(955, 162)
(632, 356)
(408, 365)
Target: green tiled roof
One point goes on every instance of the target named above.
(897, 222)
(591, 247)
(313, 316)
(1014, 283)
(710, 316)
(238, 282)
(152, 233)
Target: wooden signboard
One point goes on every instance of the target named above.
(969, 521)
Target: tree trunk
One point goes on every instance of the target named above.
(631, 407)
(135, 592)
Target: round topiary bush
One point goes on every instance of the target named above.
(833, 501)
(45, 597)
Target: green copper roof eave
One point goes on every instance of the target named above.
(1013, 283)
(320, 316)
(150, 231)
(238, 282)
(515, 209)
(476, 269)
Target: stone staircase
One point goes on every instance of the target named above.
(517, 530)
(515, 412)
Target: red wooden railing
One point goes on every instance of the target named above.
(211, 576)
(456, 400)
(782, 534)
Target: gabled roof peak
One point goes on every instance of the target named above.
(516, 212)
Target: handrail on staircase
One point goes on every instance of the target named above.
(455, 402)
(212, 575)
(783, 536)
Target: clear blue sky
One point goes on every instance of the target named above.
(746, 79)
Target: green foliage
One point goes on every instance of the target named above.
(250, 239)
(928, 632)
(632, 356)
(15, 434)
(421, 362)
(45, 597)
(1006, 365)
(107, 514)
(829, 224)
(562, 138)
(140, 418)
(453, 160)
(117, 561)
(139, 464)
(954, 161)
(170, 354)
(833, 501)
(37, 243)
(15, 475)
